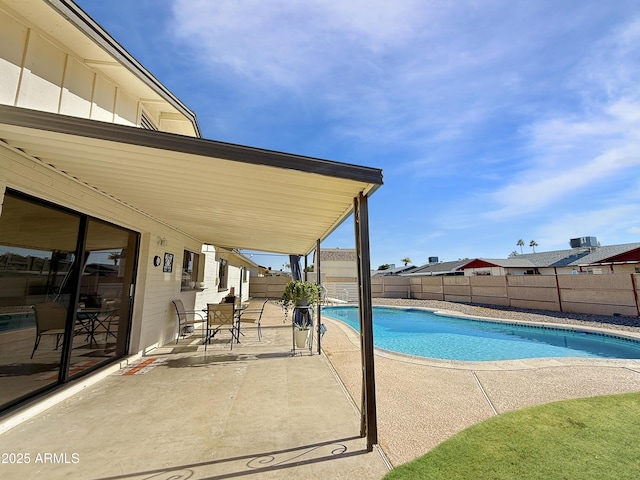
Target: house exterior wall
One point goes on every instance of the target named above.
(154, 319)
(346, 270)
(73, 76)
(39, 73)
(470, 272)
(212, 292)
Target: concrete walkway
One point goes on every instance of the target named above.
(422, 402)
(253, 412)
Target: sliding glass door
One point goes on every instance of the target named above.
(66, 286)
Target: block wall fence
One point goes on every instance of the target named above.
(594, 294)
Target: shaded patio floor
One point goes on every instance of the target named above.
(252, 412)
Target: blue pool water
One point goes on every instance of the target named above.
(423, 333)
(16, 321)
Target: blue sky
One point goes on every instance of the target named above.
(493, 120)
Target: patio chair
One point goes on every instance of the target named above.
(183, 318)
(253, 315)
(220, 316)
(51, 318)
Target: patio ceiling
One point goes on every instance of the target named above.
(226, 195)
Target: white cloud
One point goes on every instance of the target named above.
(293, 44)
(521, 109)
(573, 152)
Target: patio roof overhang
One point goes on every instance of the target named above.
(227, 195)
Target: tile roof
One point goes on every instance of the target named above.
(563, 258)
(338, 254)
(394, 271)
(438, 268)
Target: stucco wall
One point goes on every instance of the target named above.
(596, 294)
(268, 287)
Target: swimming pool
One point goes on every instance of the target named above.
(17, 321)
(423, 333)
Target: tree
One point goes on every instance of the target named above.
(385, 266)
(406, 261)
(533, 245)
(513, 254)
(520, 243)
(115, 256)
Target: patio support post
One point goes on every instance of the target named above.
(369, 425)
(316, 268)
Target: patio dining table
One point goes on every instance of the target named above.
(92, 319)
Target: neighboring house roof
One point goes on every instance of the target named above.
(564, 258)
(394, 271)
(555, 258)
(611, 253)
(338, 255)
(498, 262)
(440, 268)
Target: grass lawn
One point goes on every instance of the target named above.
(591, 438)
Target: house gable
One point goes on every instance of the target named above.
(55, 58)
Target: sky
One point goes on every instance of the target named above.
(493, 120)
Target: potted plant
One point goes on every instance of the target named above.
(301, 332)
(300, 293)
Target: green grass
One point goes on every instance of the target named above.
(591, 438)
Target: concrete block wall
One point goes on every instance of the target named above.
(595, 294)
(534, 292)
(268, 287)
(585, 294)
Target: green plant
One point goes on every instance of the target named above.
(300, 292)
(304, 325)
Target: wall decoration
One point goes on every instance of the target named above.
(157, 261)
(168, 263)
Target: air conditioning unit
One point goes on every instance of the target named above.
(433, 259)
(581, 242)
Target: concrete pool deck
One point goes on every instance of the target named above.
(422, 402)
(227, 414)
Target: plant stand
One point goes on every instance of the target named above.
(306, 312)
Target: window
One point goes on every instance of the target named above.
(223, 274)
(189, 269)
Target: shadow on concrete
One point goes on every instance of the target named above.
(254, 463)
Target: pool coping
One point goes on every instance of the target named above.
(519, 364)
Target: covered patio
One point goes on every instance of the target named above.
(230, 196)
(180, 412)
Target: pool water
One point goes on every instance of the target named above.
(16, 321)
(423, 333)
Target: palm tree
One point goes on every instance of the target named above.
(115, 256)
(533, 245)
(406, 261)
(513, 254)
(520, 243)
